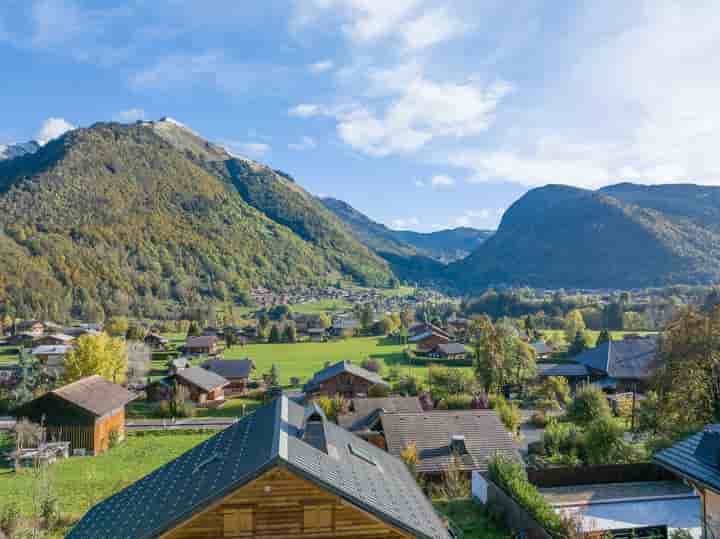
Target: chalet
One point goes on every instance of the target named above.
(451, 350)
(428, 340)
(10, 375)
(473, 436)
(24, 340)
(317, 334)
(156, 341)
(574, 372)
(206, 344)
(51, 354)
(33, 327)
(56, 339)
(345, 326)
(86, 413)
(697, 460)
(343, 378)
(364, 416)
(283, 471)
(623, 365)
(178, 363)
(235, 371)
(204, 387)
(542, 349)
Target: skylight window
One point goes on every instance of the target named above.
(360, 453)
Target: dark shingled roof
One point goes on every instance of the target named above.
(634, 358)
(366, 411)
(202, 378)
(696, 458)
(230, 368)
(204, 341)
(432, 431)
(339, 368)
(541, 347)
(95, 394)
(452, 348)
(270, 436)
(570, 370)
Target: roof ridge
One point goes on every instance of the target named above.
(84, 379)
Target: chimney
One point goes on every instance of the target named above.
(457, 444)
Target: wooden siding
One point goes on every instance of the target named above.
(282, 505)
(345, 384)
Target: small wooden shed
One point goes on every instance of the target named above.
(84, 413)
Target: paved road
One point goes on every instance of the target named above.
(199, 423)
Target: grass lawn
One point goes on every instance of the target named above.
(304, 359)
(80, 482)
(8, 354)
(470, 518)
(558, 335)
(321, 306)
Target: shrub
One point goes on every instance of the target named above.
(510, 476)
(458, 402)
(408, 385)
(10, 519)
(113, 438)
(604, 439)
(332, 406)
(50, 512)
(589, 404)
(546, 405)
(562, 438)
(371, 364)
(557, 389)
(378, 390)
(509, 415)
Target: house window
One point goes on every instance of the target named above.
(238, 522)
(317, 518)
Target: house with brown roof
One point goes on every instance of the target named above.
(472, 437)
(427, 341)
(87, 413)
(236, 371)
(204, 387)
(364, 416)
(343, 378)
(32, 327)
(205, 344)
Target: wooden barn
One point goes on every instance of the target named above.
(84, 413)
(283, 471)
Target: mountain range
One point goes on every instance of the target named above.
(147, 217)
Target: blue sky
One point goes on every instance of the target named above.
(421, 113)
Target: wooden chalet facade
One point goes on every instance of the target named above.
(85, 413)
(236, 371)
(204, 387)
(282, 472)
(205, 344)
(345, 379)
(428, 341)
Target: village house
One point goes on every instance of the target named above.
(204, 387)
(345, 327)
(317, 334)
(87, 413)
(364, 416)
(697, 460)
(178, 363)
(236, 371)
(427, 341)
(575, 373)
(282, 471)
(55, 339)
(471, 437)
(345, 379)
(542, 349)
(205, 344)
(451, 351)
(623, 365)
(156, 341)
(31, 327)
(51, 354)
(10, 375)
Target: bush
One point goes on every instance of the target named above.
(332, 406)
(458, 402)
(113, 438)
(50, 512)
(557, 389)
(562, 439)
(510, 476)
(408, 385)
(378, 390)
(509, 415)
(371, 364)
(589, 404)
(10, 519)
(605, 444)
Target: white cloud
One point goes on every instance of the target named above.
(305, 110)
(419, 183)
(432, 27)
(321, 67)
(463, 220)
(130, 115)
(55, 22)
(52, 128)
(442, 180)
(250, 149)
(307, 143)
(405, 223)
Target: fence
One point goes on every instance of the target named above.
(515, 517)
(593, 475)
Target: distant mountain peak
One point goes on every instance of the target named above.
(11, 151)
